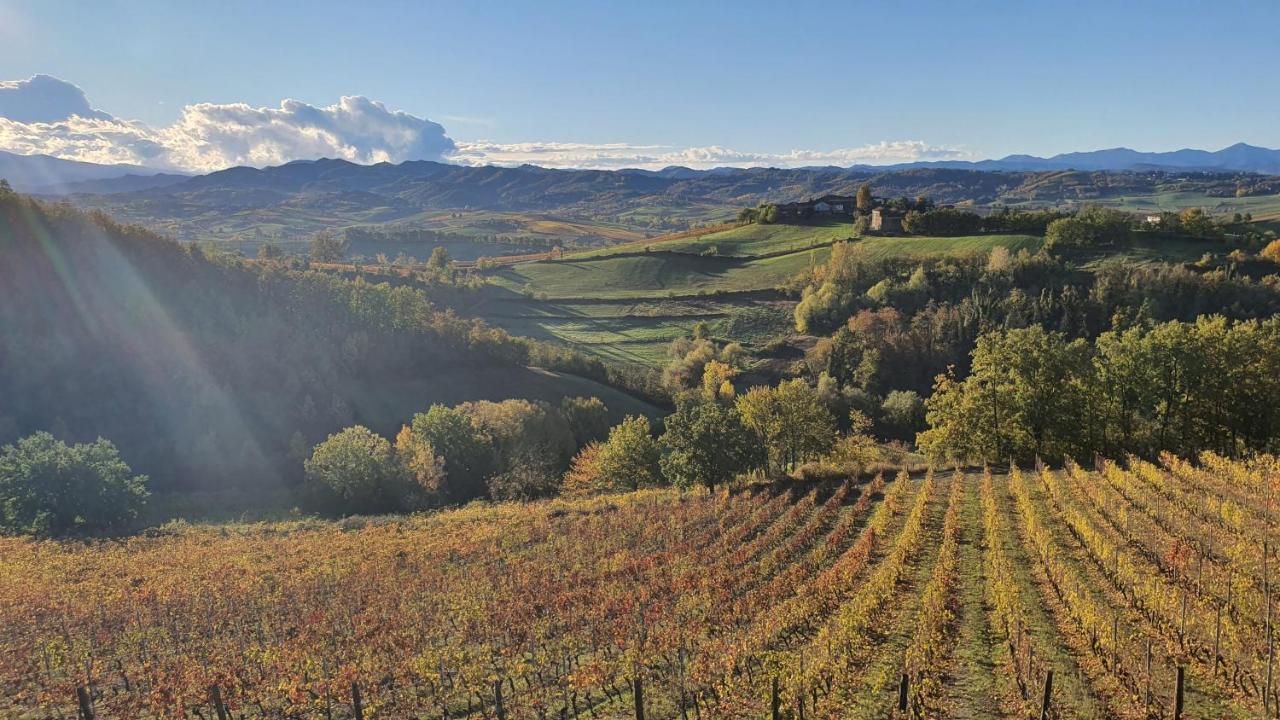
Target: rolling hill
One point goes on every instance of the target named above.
(288, 203)
(212, 374)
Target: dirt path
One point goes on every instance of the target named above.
(975, 670)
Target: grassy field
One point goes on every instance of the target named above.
(913, 246)
(1263, 207)
(638, 331)
(653, 276)
(744, 241)
(975, 585)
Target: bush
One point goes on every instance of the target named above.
(50, 488)
(631, 458)
(1272, 251)
(360, 468)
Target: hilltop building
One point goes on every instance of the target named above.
(825, 206)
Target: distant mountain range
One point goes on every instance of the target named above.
(1240, 157)
(291, 201)
(44, 174)
(47, 175)
(1237, 158)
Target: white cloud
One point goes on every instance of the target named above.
(358, 129)
(44, 99)
(45, 115)
(624, 155)
(56, 119)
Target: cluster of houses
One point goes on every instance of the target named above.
(846, 206)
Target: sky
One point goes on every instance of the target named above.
(199, 85)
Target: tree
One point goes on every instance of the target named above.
(326, 246)
(1091, 227)
(707, 444)
(583, 476)
(530, 473)
(467, 451)
(522, 429)
(1272, 251)
(717, 381)
(790, 420)
(1198, 224)
(631, 458)
(1024, 397)
(902, 414)
(588, 418)
(270, 251)
(50, 488)
(865, 200)
(439, 261)
(858, 449)
(359, 467)
(421, 464)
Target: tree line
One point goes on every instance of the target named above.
(520, 450)
(1182, 387)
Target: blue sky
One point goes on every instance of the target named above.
(979, 79)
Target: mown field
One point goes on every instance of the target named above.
(975, 586)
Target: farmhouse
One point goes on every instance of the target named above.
(825, 206)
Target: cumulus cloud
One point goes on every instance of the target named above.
(44, 99)
(56, 119)
(45, 115)
(624, 155)
(358, 129)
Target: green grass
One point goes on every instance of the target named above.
(911, 246)
(1263, 207)
(1149, 251)
(653, 276)
(756, 240)
(637, 332)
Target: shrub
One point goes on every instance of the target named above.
(359, 467)
(1272, 251)
(631, 458)
(50, 488)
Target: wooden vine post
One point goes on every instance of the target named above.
(1048, 695)
(83, 703)
(774, 706)
(1177, 695)
(902, 693)
(215, 696)
(1217, 640)
(1148, 677)
(357, 703)
(637, 691)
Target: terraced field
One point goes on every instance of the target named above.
(792, 603)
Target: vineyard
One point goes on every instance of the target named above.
(948, 594)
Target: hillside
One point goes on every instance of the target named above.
(286, 204)
(210, 374)
(715, 605)
(627, 303)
